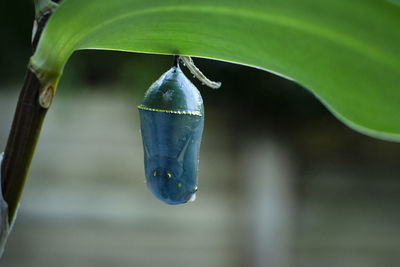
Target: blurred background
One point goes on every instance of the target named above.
(281, 181)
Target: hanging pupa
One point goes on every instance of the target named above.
(172, 120)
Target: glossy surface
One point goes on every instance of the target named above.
(172, 120)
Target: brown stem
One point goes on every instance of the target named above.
(25, 131)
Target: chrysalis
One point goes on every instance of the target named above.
(172, 120)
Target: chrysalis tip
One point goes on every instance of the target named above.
(192, 198)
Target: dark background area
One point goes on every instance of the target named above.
(287, 182)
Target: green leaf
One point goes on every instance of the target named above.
(346, 52)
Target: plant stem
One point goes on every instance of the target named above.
(21, 143)
(25, 131)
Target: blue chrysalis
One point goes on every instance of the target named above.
(172, 120)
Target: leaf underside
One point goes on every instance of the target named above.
(346, 52)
